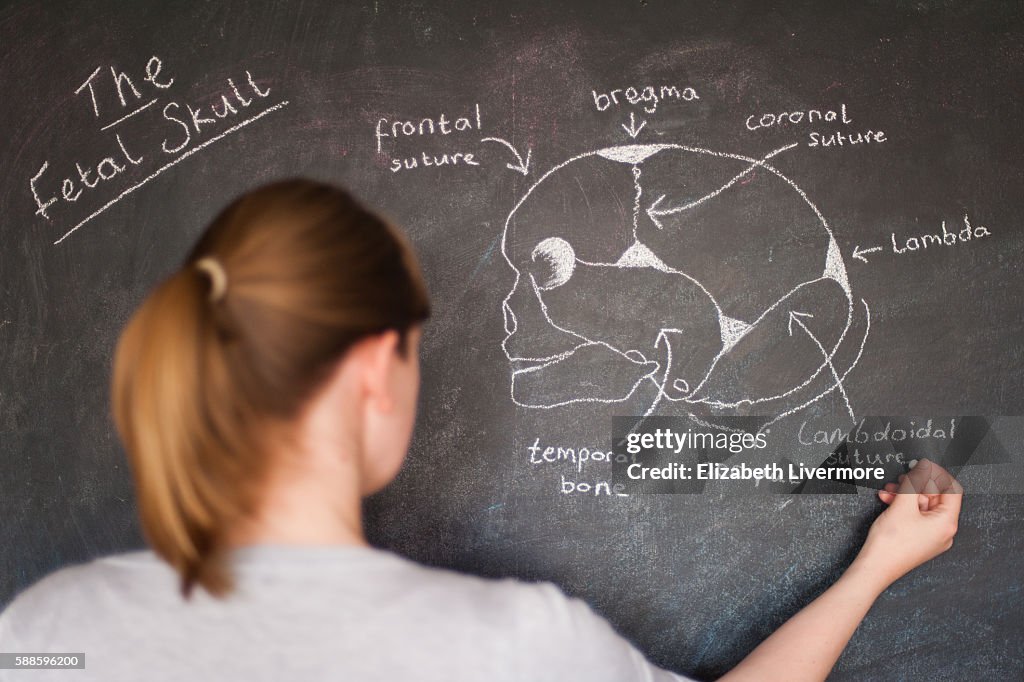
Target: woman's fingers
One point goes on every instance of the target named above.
(950, 499)
(935, 488)
(944, 492)
(943, 479)
(888, 492)
(917, 478)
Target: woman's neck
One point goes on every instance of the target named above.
(309, 514)
(312, 497)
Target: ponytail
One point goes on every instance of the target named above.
(167, 383)
(203, 385)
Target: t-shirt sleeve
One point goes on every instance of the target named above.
(10, 623)
(563, 638)
(13, 625)
(7, 640)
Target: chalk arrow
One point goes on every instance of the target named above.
(858, 252)
(654, 210)
(663, 338)
(520, 167)
(633, 129)
(795, 316)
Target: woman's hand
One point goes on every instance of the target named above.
(919, 524)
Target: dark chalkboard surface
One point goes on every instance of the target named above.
(807, 213)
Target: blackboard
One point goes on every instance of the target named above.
(860, 161)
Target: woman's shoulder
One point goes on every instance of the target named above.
(110, 576)
(67, 590)
(485, 592)
(76, 576)
(382, 570)
(364, 576)
(488, 616)
(560, 636)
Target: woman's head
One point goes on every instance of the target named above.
(216, 367)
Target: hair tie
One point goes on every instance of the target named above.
(218, 278)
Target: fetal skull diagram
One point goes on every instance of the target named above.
(681, 279)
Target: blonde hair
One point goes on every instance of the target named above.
(204, 385)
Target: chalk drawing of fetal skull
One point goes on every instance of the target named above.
(694, 278)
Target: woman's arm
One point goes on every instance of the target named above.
(918, 525)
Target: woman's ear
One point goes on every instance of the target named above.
(381, 354)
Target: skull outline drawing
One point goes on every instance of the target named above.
(677, 296)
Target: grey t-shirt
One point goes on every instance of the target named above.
(313, 613)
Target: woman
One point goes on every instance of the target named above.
(261, 392)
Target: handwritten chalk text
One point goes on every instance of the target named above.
(837, 138)
(190, 127)
(442, 125)
(647, 96)
(577, 458)
(946, 238)
(784, 118)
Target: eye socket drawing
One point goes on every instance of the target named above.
(676, 280)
